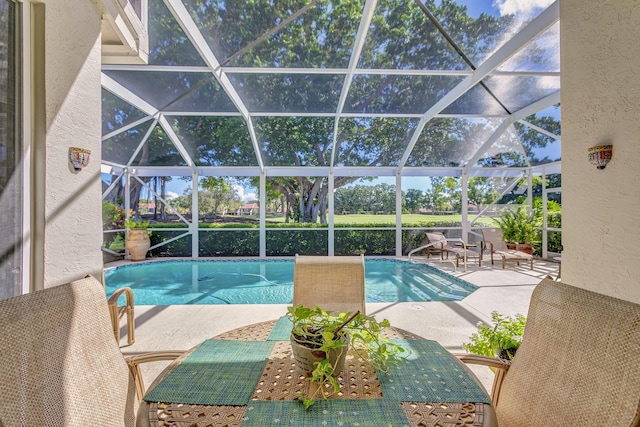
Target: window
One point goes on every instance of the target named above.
(10, 151)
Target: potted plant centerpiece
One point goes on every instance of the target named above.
(320, 340)
(519, 228)
(137, 241)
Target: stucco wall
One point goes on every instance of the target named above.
(600, 59)
(72, 204)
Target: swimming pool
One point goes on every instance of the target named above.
(271, 282)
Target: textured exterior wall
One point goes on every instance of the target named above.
(72, 204)
(600, 60)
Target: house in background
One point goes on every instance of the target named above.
(248, 209)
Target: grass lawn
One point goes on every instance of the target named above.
(390, 220)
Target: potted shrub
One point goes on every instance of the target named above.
(519, 228)
(320, 339)
(500, 340)
(137, 241)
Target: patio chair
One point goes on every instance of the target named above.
(578, 364)
(492, 240)
(60, 365)
(444, 248)
(334, 283)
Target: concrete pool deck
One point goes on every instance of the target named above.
(180, 327)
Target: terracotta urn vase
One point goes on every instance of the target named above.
(138, 243)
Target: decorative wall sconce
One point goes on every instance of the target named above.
(79, 157)
(600, 155)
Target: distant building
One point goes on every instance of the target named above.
(248, 209)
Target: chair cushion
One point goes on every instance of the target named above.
(514, 255)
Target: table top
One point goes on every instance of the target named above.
(258, 358)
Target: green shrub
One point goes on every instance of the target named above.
(500, 340)
(519, 226)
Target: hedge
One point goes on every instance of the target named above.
(287, 240)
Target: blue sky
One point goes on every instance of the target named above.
(501, 7)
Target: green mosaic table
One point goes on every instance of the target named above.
(247, 377)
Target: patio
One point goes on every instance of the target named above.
(180, 327)
(57, 82)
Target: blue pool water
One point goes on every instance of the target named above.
(271, 282)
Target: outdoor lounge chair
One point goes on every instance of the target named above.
(578, 364)
(444, 247)
(492, 240)
(60, 364)
(333, 283)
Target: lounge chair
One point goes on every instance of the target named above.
(333, 283)
(60, 364)
(578, 364)
(444, 247)
(493, 241)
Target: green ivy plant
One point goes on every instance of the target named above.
(325, 330)
(500, 340)
(131, 223)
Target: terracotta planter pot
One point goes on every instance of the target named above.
(138, 243)
(306, 358)
(522, 247)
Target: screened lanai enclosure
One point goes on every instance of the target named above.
(275, 127)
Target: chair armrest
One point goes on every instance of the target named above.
(500, 367)
(115, 312)
(134, 363)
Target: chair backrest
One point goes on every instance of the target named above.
(579, 362)
(436, 236)
(60, 364)
(333, 283)
(494, 235)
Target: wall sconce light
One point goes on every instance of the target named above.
(79, 157)
(600, 155)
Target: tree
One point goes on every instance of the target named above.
(401, 36)
(217, 194)
(481, 191)
(415, 199)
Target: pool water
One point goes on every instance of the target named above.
(271, 282)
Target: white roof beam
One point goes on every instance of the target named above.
(190, 28)
(126, 128)
(126, 95)
(176, 141)
(510, 48)
(142, 142)
(317, 71)
(518, 115)
(339, 171)
(539, 129)
(361, 35)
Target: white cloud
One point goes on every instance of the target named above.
(171, 195)
(521, 6)
(245, 197)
